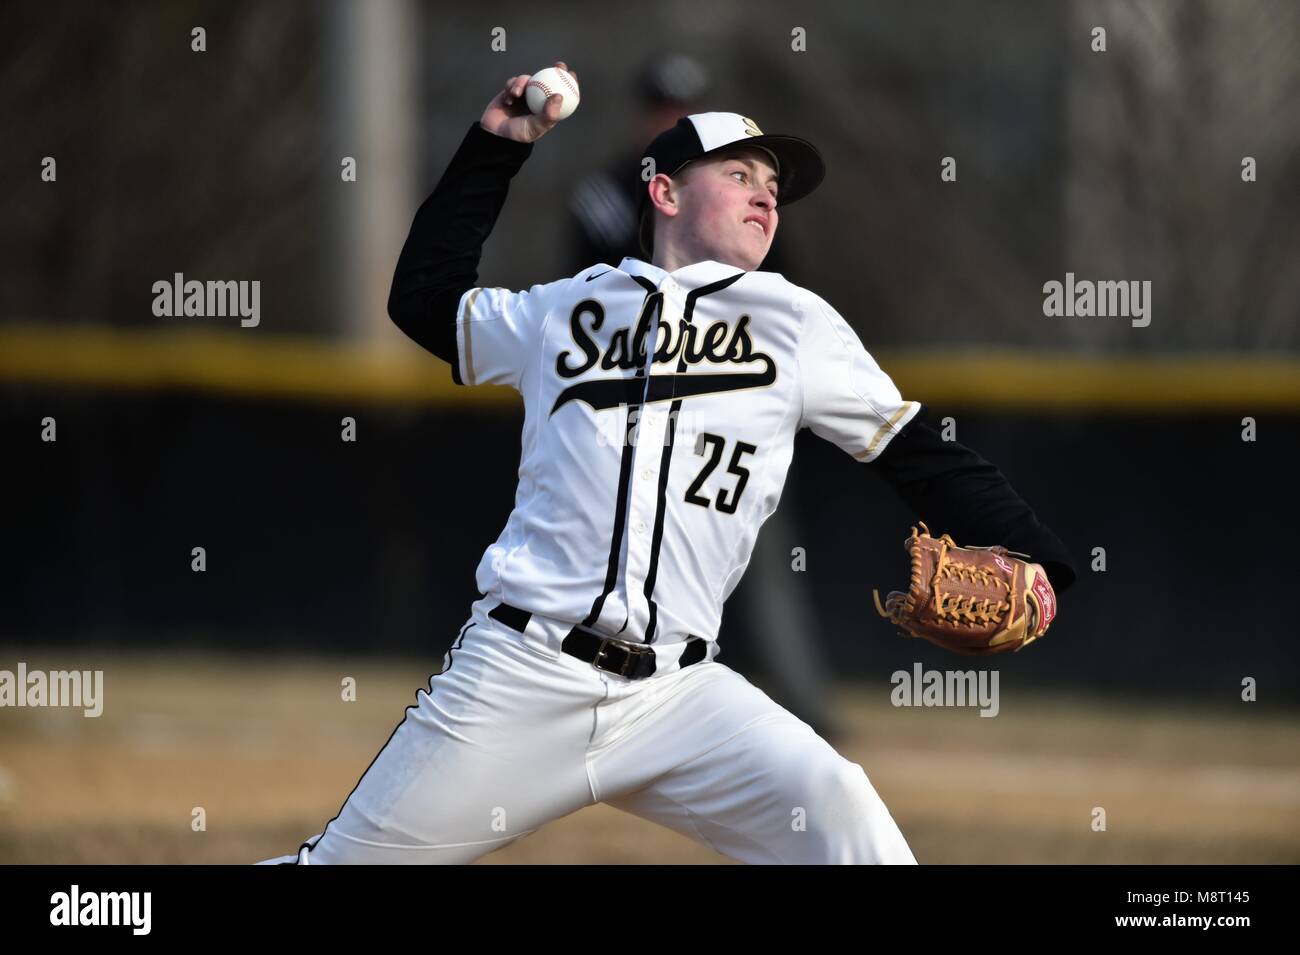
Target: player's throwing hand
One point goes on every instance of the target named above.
(508, 114)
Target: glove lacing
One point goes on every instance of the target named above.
(967, 611)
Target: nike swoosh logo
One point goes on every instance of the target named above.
(590, 277)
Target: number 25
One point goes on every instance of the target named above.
(726, 504)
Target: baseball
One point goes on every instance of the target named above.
(552, 80)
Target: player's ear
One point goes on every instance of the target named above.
(663, 194)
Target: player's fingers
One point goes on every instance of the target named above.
(514, 88)
(547, 119)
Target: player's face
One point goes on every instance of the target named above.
(730, 206)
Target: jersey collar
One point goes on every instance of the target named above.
(689, 276)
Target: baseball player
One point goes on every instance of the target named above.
(777, 611)
(661, 402)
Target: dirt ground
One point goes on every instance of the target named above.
(269, 750)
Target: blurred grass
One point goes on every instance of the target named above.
(269, 749)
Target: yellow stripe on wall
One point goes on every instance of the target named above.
(1054, 381)
(245, 362)
(307, 369)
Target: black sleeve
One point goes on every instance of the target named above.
(957, 492)
(439, 262)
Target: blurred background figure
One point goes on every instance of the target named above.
(772, 616)
(602, 208)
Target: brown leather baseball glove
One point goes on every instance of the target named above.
(974, 600)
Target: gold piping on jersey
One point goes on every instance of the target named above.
(469, 348)
(881, 431)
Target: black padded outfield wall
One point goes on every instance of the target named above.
(317, 544)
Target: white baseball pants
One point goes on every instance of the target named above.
(514, 733)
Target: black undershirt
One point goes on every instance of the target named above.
(439, 262)
(948, 485)
(957, 492)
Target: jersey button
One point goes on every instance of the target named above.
(646, 474)
(640, 527)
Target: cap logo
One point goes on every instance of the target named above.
(751, 127)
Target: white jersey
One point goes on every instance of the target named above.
(660, 411)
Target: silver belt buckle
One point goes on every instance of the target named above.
(629, 656)
(632, 651)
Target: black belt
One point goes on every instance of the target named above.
(631, 660)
